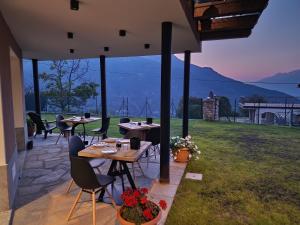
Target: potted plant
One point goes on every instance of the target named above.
(138, 209)
(183, 148)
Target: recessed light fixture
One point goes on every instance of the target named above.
(71, 50)
(70, 35)
(146, 46)
(122, 33)
(74, 4)
(106, 49)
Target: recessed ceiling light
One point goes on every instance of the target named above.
(74, 5)
(146, 46)
(122, 33)
(71, 50)
(70, 35)
(106, 49)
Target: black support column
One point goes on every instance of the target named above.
(186, 94)
(103, 88)
(165, 101)
(35, 73)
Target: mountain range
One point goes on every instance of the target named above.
(138, 78)
(284, 82)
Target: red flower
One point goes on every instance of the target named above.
(144, 200)
(148, 214)
(163, 204)
(144, 190)
(136, 193)
(130, 201)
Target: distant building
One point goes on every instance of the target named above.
(211, 107)
(273, 113)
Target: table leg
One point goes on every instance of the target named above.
(84, 134)
(110, 170)
(73, 128)
(129, 177)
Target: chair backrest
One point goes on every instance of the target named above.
(59, 124)
(75, 145)
(105, 125)
(83, 173)
(36, 118)
(124, 120)
(153, 135)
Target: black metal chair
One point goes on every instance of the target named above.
(64, 128)
(47, 127)
(89, 182)
(75, 146)
(101, 131)
(124, 131)
(153, 136)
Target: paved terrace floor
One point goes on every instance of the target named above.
(42, 198)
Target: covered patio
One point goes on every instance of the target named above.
(91, 29)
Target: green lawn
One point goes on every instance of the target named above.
(251, 176)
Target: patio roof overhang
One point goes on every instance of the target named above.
(40, 28)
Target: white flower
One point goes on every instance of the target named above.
(197, 157)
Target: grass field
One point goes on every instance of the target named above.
(251, 174)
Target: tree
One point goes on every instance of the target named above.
(195, 108)
(62, 88)
(224, 107)
(85, 91)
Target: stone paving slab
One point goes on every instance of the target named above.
(41, 197)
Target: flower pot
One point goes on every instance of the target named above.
(183, 155)
(122, 221)
(30, 131)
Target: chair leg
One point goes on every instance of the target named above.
(68, 137)
(97, 168)
(74, 204)
(94, 207)
(92, 139)
(45, 134)
(69, 186)
(58, 139)
(141, 168)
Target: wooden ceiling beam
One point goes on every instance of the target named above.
(214, 9)
(228, 23)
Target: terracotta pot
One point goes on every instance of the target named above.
(183, 155)
(30, 131)
(125, 222)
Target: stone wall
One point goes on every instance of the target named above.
(211, 109)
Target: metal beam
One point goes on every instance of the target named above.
(103, 88)
(186, 94)
(166, 44)
(35, 73)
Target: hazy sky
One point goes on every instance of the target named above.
(274, 46)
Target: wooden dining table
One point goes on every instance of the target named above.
(77, 120)
(119, 159)
(136, 127)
